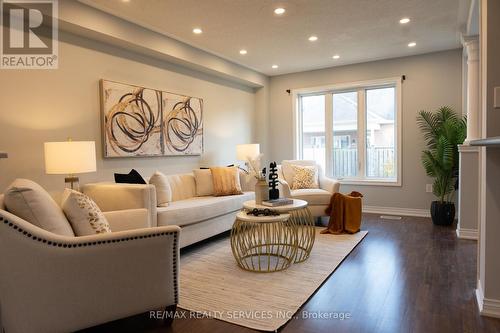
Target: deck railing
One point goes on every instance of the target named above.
(380, 161)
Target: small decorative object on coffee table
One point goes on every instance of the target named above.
(274, 193)
(301, 219)
(263, 243)
(253, 168)
(276, 202)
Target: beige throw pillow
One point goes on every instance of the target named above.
(83, 214)
(163, 189)
(305, 177)
(226, 181)
(29, 201)
(204, 182)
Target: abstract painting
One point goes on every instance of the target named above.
(139, 121)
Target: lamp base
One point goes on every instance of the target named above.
(73, 180)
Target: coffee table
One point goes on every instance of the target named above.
(302, 220)
(263, 243)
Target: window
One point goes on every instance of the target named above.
(313, 128)
(353, 131)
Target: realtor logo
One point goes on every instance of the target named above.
(29, 34)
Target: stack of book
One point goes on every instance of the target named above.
(277, 202)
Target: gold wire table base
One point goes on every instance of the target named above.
(264, 246)
(306, 234)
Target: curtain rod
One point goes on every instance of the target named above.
(403, 77)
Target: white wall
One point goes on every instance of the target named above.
(51, 105)
(432, 80)
(489, 265)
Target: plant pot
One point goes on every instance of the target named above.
(442, 213)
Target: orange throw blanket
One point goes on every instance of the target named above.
(345, 213)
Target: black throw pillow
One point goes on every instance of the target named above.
(133, 177)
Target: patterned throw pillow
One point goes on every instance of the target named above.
(304, 177)
(83, 214)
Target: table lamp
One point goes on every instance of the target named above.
(247, 152)
(70, 158)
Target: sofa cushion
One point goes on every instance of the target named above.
(197, 209)
(183, 186)
(226, 181)
(305, 177)
(204, 182)
(313, 196)
(163, 189)
(83, 214)
(29, 201)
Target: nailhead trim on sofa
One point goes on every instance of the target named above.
(65, 245)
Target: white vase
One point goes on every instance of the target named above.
(261, 191)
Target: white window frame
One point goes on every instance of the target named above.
(352, 86)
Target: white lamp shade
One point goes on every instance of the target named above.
(69, 157)
(247, 151)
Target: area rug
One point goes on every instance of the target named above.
(212, 285)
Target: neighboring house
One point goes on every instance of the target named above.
(380, 136)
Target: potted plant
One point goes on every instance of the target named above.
(443, 131)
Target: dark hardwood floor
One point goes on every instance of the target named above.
(405, 276)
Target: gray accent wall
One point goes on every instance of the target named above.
(432, 80)
(37, 106)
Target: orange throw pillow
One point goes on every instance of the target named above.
(226, 181)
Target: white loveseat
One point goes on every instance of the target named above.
(317, 198)
(55, 283)
(199, 217)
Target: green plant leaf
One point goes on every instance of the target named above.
(443, 131)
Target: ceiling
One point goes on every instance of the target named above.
(357, 30)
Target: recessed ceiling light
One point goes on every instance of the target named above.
(404, 20)
(336, 56)
(197, 31)
(279, 11)
(412, 44)
(243, 51)
(274, 66)
(125, 0)
(313, 38)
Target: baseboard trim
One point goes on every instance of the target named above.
(464, 233)
(397, 211)
(487, 307)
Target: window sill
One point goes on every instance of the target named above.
(370, 182)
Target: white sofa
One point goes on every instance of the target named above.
(54, 283)
(198, 217)
(318, 198)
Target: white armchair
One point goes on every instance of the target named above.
(318, 199)
(53, 283)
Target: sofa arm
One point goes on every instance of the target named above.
(329, 184)
(129, 219)
(111, 197)
(53, 283)
(285, 188)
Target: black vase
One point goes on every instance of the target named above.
(442, 213)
